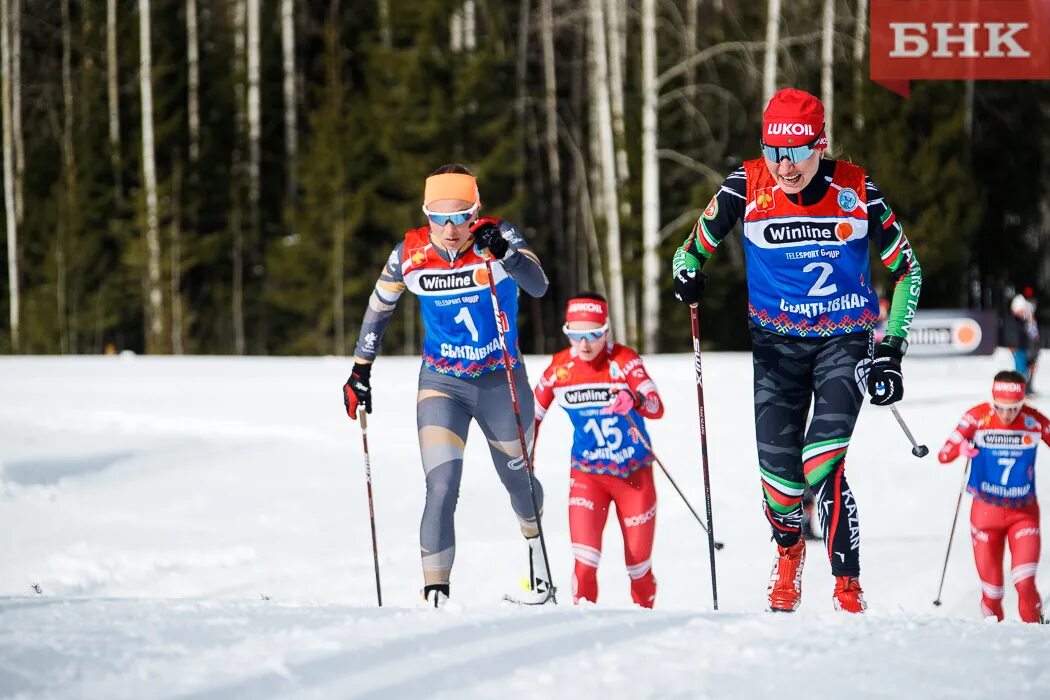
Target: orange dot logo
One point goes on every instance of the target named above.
(965, 335)
(844, 230)
(481, 276)
(1027, 439)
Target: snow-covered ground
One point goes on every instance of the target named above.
(198, 528)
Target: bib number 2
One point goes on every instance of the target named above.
(819, 288)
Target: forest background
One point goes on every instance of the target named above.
(228, 176)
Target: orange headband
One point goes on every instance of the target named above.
(451, 186)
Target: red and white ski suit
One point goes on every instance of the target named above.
(609, 463)
(1004, 509)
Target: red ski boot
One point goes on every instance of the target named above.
(785, 581)
(848, 595)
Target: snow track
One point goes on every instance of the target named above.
(155, 501)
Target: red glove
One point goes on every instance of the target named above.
(623, 402)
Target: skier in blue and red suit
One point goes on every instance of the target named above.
(808, 222)
(600, 383)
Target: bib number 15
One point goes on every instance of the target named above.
(820, 288)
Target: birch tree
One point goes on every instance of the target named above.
(236, 215)
(608, 170)
(113, 98)
(16, 109)
(193, 83)
(616, 22)
(827, 66)
(291, 138)
(769, 70)
(563, 263)
(650, 183)
(860, 27)
(254, 136)
(10, 213)
(154, 293)
(69, 170)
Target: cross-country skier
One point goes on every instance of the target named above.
(599, 383)
(808, 221)
(1000, 439)
(462, 377)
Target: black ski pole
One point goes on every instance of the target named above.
(517, 419)
(718, 545)
(695, 318)
(918, 450)
(362, 416)
(861, 375)
(955, 520)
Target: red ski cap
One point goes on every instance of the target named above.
(793, 118)
(587, 309)
(1008, 394)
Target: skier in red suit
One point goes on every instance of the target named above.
(1000, 439)
(599, 383)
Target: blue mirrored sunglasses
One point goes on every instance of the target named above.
(795, 154)
(588, 334)
(456, 218)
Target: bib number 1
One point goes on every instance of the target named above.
(467, 320)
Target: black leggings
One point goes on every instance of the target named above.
(792, 373)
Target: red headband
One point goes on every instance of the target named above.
(587, 309)
(1008, 393)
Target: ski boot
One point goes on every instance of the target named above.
(848, 595)
(539, 590)
(435, 595)
(785, 581)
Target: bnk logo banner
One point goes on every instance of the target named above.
(958, 40)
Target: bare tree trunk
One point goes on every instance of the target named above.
(113, 93)
(255, 248)
(10, 209)
(470, 30)
(859, 31)
(193, 79)
(650, 183)
(769, 71)
(333, 79)
(384, 27)
(155, 306)
(608, 172)
(455, 30)
(291, 134)
(175, 262)
(616, 22)
(562, 263)
(16, 108)
(236, 177)
(69, 166)
(827, 66)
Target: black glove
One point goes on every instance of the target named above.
(488, 235)
(885, 380)
(358, 390)
(689, 285)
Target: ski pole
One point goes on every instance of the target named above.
(918, 450)
(718, 545)
(695, 318)
(363, 417)
(955, 520)
(517, 418)
(861, 375)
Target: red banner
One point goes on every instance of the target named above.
(958, 40)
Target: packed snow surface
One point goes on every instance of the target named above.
(198, 528)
